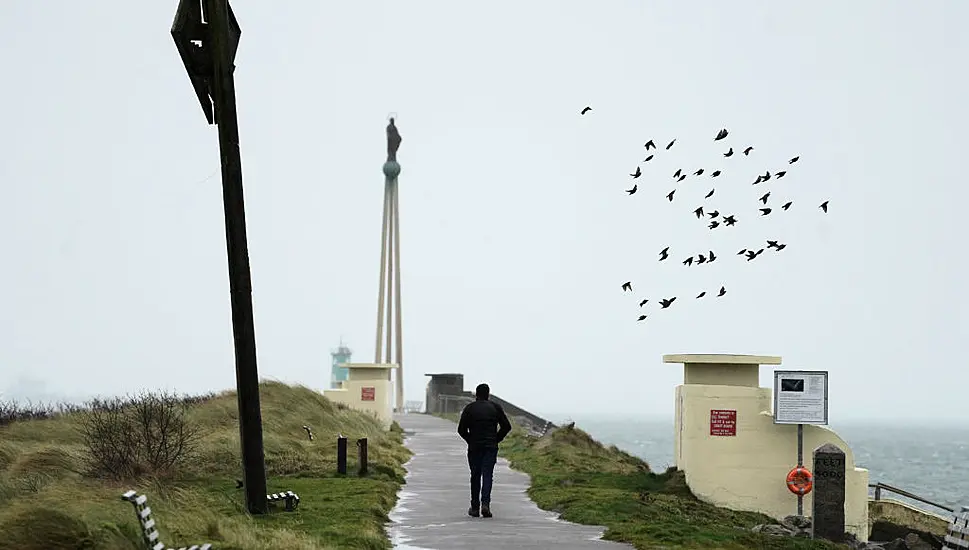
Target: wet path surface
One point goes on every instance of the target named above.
(431, 513)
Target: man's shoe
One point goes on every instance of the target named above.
(473, 512)
(486, 510)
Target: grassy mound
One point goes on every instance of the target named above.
(50, 501)
(586, 482)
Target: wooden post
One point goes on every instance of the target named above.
(341, 455)
(362, 452)
(240, 282)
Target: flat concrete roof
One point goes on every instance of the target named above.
(368, 365)
(722, 359)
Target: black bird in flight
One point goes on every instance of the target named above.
(698, 172)
(665, 302)
(714, 224)
(780, 247)
(720, 135)
(586, 110)
(742, 252)
(671, 144)
(637, 173)
(787, 205)
(729, 220)
(729, 153)
(764, 211)
(649, 158)
(710, 194)
(665, 253)
(627, 286)
(771, 244)
(766, 176)
(765, 197)
(758, 180)
(643, 303)
(642, 317)
(748, 150)
(715, 174)
(683, 177)
(670, 196)
(751, 254)
(698, 212)
(650, 144)
(712, 257)
(677, 173)
(633, 190)
(688, 261)
(780, 174)
(701, 295)
(723, 290)
(701, 259)
(824, 206)
(714, 214)
(793, 160)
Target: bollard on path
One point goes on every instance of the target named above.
(362, 449)
(341, 455)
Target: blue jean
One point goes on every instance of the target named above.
(482, 464)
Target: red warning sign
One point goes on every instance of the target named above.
(723, 422)
(368, 393)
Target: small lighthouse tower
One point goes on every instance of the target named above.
(338, 373)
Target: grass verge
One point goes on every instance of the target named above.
(586, 482)
(47, 502)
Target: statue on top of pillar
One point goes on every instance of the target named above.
(393, 141)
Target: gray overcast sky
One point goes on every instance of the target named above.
(516, 232)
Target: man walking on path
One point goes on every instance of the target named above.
(479, 426)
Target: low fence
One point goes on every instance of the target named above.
(957, 537)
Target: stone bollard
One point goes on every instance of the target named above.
(828, 514)
(341, 455)
(362, 453)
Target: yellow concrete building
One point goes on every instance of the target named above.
(368, 388)
(744, 465)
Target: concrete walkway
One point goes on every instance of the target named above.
(432, 509)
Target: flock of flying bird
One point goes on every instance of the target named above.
(716, 219)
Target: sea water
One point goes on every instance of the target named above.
(929, 461)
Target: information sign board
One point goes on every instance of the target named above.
(800, 397)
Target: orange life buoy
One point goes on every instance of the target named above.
(800, 481)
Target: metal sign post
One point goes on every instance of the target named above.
(801, 397)
(800, 464)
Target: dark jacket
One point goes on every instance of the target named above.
(479, 425)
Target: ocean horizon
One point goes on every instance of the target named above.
(926, 459)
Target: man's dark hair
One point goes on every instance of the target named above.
(482, 391)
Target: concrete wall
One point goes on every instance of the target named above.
(512, 410)
(748, 471)
(367, 376)
(452, 385)
(442, 384)
(900, 513)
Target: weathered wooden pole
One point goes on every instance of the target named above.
(208, 47)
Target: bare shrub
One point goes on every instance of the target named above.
(133, 436)
(12, 411)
